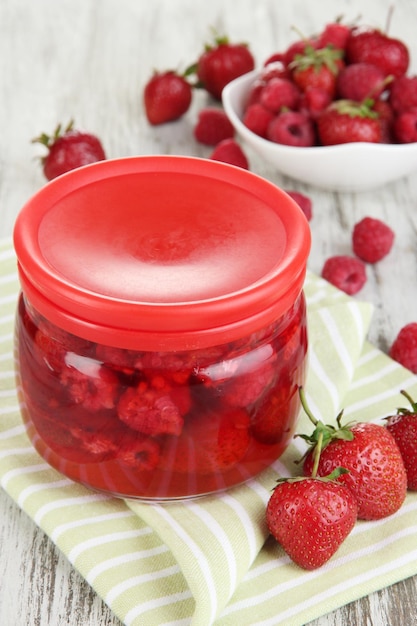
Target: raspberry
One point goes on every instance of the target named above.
(141, 453)
(292, 129)
(228, 151)
(405, 126)
(213, 126)
(88, 383)
(303, 201)
(242, 380)
(257, 119)
(313, 101)
(372, 239)
(404, 348)
(345, 272)
(359, 81)
(150, 411)
(279, 93)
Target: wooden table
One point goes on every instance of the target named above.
(90, 60)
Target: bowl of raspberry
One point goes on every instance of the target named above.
(327, 140)
(161, 326)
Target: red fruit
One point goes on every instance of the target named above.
(257, 119)
(304, 202)
(213, 126)
(403, 427)
(279, 93)
(368, 45)
(254, 93)
(359, 81)
(150, 410)
(311, 518)
(298, 48)
(314, 101)
(372, 239)
(229, 151)
(273, 419)
(88, 383)
(334, 34)
(404, 347)
(167, 96)
(222, 63)
(386, 119)
(403, 93)
(292, 128)
(345, 121)
(404, 126)
(211, 442)
(345, 272)
(376, 474)
(68, 149)
(317, 68)
(139, 452)
(274, 68)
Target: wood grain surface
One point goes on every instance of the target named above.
(89, 60)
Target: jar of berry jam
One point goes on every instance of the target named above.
(161, 326)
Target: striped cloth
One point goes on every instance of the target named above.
(210, 561)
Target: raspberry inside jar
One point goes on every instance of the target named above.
(169, 387)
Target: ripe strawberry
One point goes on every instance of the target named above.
(213, 126)
(376, 473)
(369, 45)
(68, 149)
(403, 427)
(346, 121)
(345, 272)
(404, 347)
(334, 34)
(167, 96)
(229, 151)
(317, 68)
(292, 128)
(311, 517)
(299, 47)
(359, 81)
(372, 239)
(221, 63)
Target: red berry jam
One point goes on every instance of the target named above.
(160, 358)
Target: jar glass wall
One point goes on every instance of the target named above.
(160, 425)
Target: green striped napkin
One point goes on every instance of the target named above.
(210, 561)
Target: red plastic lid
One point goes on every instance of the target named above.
(161, 252)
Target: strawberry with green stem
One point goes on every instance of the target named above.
(403, 427)
(311, 516)
(376, 472)
(317, 68)
(220, 63)
(68, 149)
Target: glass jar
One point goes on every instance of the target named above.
(161, 326)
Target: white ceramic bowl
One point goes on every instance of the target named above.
(346, 167)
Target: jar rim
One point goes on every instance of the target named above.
(160, 251)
